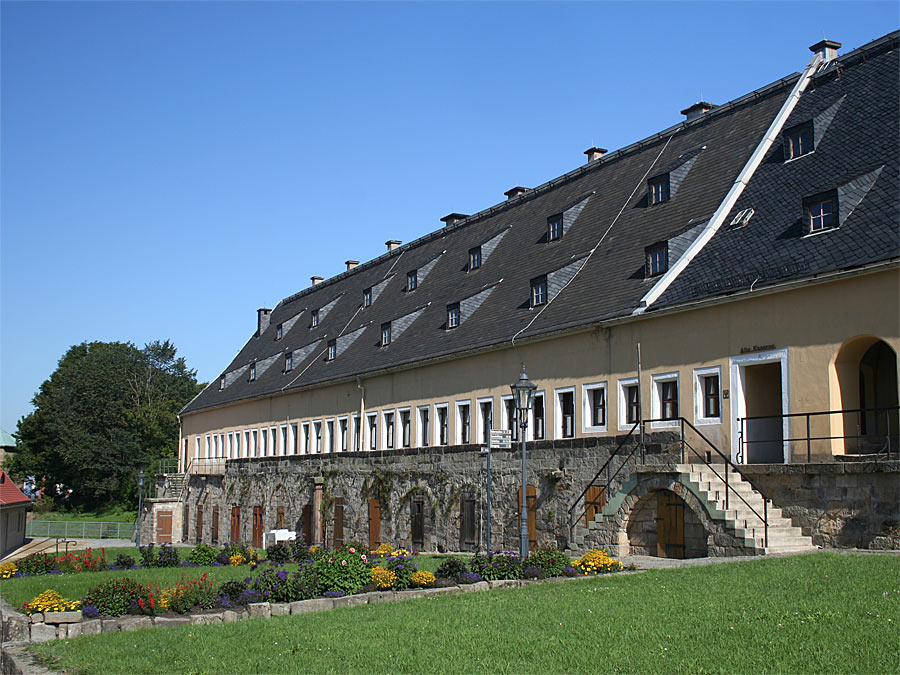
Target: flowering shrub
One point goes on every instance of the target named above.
(493, 566)
(532, 572)
(8, 570)
(231, 590)
(422, 579)
(185, 595)
(37, 563)
(403, 567)
(383, 550)
(569, 571)
(280, 586)
(120, 596)
(124, 562)
(237, 553)
(549, 560)
(451, 567)
(469, 578)
(50, 601)
(280, 553)
(597, 561)
(164, 556)
(383, 578)
(203, 554)
(345, 569)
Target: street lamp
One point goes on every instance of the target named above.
(523, 394)
(140, 481)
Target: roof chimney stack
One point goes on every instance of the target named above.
(594, 153)
(827, 48)
(316, 280)
(697, 110)
(392, 244)
(351, 264)
(512, 193)
(453, 218)
(262, 320)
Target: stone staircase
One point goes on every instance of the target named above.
(176, 484)
(738, 519)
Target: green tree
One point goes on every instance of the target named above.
(107, 411)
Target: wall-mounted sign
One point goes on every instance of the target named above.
(756, 348)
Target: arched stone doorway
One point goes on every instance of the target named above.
(662, 524)
(866, 370)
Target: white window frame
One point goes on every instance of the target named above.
(423, 435)
(196, 448)
(306, 444)
(531, 418)
(295, 441)
(588, 408)
(399, 422)
(237, 444)
(558, 414)
(458, 426)
(370, 439)
(622, 412)
(247, 437)
(330, 444)
(264, 442)
(254, 442)
(318, 440)
(208, 443)
(504, 416)
(384, 429)
(283, 439)
(273, 435)
(343, 444)
(700, 395)
(436, 427)
(230, 445)
(356, 433)
(480, 421)
(656, 402)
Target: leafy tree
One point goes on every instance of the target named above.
(107, 411)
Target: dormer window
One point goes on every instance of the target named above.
(659, 189)
(331, 353)
(412, 280)
(821, 212)
(385, 334)
(555, 227)
(656, 260)
(453, 315)
(367, 297)
(474, 258)
(798, 141)
(538, 291)
(221, 383)
(288, 362)
(314, 319)
(279, 331)
(252, 371)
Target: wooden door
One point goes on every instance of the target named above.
(214, 535)
(307, 524)
(594, 501)
(186, 524)
(669, 525)
(235, 523)
(338, 522)
(279, 518)
(374, 524)
(257, 526)
(417, 522)
(199, 535)
(467, 523)
(164, 527)
(531, 506)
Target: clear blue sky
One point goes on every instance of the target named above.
(167, 168)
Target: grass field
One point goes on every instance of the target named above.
(115, 514)
(819, 613)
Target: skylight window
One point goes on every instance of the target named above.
(538, 291)
(412, 280)
(453, 315)
(288, 362)
(279, 331)
(555, 227)
(474, 258)
(221, 383)
(656, 260)
(798, 141)
(821, 212)
(367, 297)
(741, 219)
(385, 334)
(314, 319)
(252, 371)
(659, 189)
(331, 353)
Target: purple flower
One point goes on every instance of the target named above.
(90, 611)
(282, 574)
(338, 593)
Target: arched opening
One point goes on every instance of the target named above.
(662, 525)
(866, 370)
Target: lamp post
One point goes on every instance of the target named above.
(140, 481)
(523, 393)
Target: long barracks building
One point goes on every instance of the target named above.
(748, 256)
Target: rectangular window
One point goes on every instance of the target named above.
(215, 446)
(554, 227)
(314, 319)
(252, 372)
(820, 212)
(510, 416)
(486, 419)
(659, 189)
(288, 362)
(463, 423)
(357, 434)
(306, 438)
(474, 258)
(221, 383)
(669, 396)
(443, 425)
(237, 444)
(453, 315)
(230, 446)
(405, 428)
(594, 407)
(246, 444)
(538, 291)
(342, 429)
(279, 331)
(385, 334)
(565, 409)
(284, 440)
(798, 141)
(317, 430)
(254, 440)
(708, 398)
(424, 427)
(373, 432)
(665, 399)
(332, 350)
(329, 432)
(264, 448)
(629, 403)
(294, 441)
(389, 430)
(367, 297)
(412, 280)
(539, 417)
(656, 259)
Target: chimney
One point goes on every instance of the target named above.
(351, 264)
(316, 280)
(697, 110)
(827, 48)
(262, 320)
(515, 192)
(392, 244)
(594, 153)
(453, 218)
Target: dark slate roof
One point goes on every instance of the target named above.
(608, 226)
(855, 101)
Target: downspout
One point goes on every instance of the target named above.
(363, 427)
(737, 188)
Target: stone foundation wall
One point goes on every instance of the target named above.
(839, 504)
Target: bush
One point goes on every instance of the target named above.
(189, 593)
(280, 553)
(37, 564)
(493, 566)
(50, 601)
(597, 561)
(452, 567)
(549, 560)
(237, 553)
(345, 569)
(422, 579)
(383, 578)
(121, 596)
(164, 556)
(532, 572)
(280, 586)
(125, 562)
(203, 554)
(231, 590)
(469, 578)
(403, 567)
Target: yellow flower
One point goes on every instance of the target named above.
(8, 570)
(50, 601)
(237, 559)
(383, 578)
(422, 579)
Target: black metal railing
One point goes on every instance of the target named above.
(875, 431)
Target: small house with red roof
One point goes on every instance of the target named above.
(14, 504)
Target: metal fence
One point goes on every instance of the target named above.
(76, 529)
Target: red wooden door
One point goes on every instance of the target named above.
(164, 527)
(257, 526)
(374, 524)
(594, 500)
(531, 506)
(235, 523)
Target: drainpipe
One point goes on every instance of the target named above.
(363, 427)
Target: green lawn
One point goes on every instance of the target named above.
(819, 613)
(113, 514)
